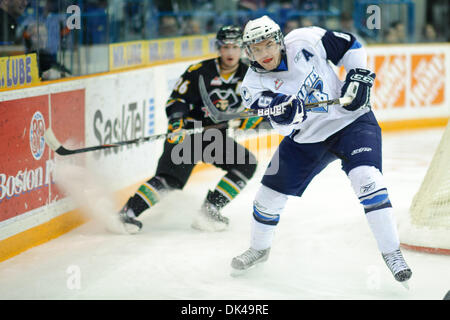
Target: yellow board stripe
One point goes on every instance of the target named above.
(52, 229)
(43, 233)
(413, 124)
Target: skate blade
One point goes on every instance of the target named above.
(405, 284)
(239, 272)
(204, 224)
(114, 225)
(131, 228)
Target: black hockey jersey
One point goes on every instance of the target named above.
(185, 100)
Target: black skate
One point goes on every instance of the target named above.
(124, 223)
(210, 219)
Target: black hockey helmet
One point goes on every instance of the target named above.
(229, 34)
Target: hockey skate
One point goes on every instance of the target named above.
(248, 259)
(210, 218)
(123, 222)
(396, 263)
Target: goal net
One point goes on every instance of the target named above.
(428, 225)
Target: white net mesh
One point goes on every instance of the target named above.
(429, 220)
(431, 204)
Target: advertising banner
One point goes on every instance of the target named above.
(411, 83)
(26, 162)
(141, 53)
(18, 71)
(121, 108)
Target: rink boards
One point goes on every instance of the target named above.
(411, 91)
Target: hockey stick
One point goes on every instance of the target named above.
(56, 146)
(219, 116)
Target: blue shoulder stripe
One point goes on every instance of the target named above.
(356, 45)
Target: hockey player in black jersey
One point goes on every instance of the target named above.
(222, 76)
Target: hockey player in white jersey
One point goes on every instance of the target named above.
(290, 72)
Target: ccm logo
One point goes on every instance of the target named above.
(361, 78)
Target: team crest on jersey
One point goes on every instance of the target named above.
(223, 100)
(312, 91)
(221, 104)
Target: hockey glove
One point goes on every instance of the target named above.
(294, 109)
(176, 132)
(357, 86)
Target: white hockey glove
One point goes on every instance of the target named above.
(357, 86)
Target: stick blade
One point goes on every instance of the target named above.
(51, 139)
(214, 114)
(54, 143)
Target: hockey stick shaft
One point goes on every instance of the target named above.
(218, 116)
(56, 146)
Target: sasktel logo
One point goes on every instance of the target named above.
(37, 129)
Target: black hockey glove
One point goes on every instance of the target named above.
(357, 85)
(294, 109)
(176, 132)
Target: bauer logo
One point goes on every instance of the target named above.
(37, 129)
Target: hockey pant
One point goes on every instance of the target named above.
(368, 185)
(239, 169)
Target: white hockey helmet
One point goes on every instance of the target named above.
(259, 30)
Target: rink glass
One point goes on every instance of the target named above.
(76, 36)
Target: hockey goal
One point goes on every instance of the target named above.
(427, 228)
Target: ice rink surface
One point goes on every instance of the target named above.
(323, 248)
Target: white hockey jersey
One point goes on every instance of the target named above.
(311, 77)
